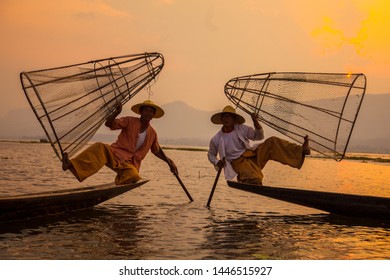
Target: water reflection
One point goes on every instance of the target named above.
(233, 238)
(98, 233)
(256, 236)
(156, 221)
(290, 237)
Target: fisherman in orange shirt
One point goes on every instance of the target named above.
(124, 156)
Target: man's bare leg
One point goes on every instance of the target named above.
(305, 146)
(66, 164)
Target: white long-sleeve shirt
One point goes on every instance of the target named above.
(231, 146)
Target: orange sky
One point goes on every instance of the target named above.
(204, 42)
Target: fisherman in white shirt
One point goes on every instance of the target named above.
(239, 158)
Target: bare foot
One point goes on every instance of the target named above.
(305, 146)
(66, 164)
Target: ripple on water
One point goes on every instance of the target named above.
(157, 221)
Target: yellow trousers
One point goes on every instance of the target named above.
(92, 159)
(250, 164)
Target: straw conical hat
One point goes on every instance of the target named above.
(216, 118)
(148, 103)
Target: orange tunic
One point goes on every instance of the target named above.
(124, 147)
(121, 156)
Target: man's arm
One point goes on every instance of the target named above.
(161, 155)
(256, 123)
(111, 118)
(212, 156)
(259, 133)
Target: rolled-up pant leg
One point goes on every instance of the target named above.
(91, 160)
(250, 164)
(248, 170)
(280, 150)
(126, 174)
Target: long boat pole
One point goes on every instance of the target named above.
(176, 175)
(214, 186)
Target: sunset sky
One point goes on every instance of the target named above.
(205, 43)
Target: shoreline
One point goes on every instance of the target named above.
(359, 156)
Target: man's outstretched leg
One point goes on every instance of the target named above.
(90, 161)
(282, 151)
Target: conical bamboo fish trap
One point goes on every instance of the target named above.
(323, 106)
(72, 102)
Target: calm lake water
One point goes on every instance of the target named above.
(157, 221)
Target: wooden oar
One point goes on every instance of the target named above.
(176, 175)
(215, 185)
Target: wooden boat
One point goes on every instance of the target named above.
(17, 207)
(349, 205)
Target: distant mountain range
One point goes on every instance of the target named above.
(184, 125)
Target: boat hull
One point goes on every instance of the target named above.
(26, 206)
(349, 205)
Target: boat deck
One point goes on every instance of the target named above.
(17, 207)
(349, 205)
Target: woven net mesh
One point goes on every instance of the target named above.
(72, 102)
(323, 106)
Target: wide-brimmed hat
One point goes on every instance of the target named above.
(216, 118)
(148, 103)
